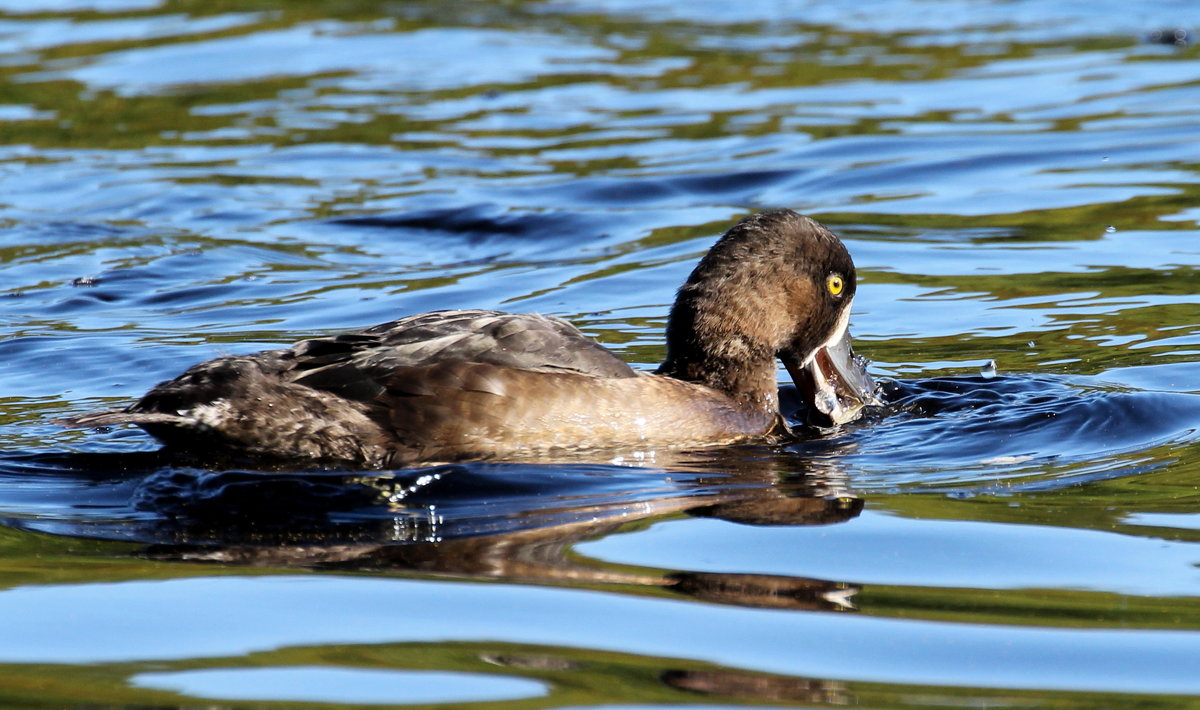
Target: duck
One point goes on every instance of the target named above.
(474, 385)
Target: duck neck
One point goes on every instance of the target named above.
(750, 381)
(717, 335)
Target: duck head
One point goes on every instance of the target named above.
(777, 285)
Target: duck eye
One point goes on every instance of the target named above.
(835, 284)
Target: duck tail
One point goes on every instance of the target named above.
(113, 417)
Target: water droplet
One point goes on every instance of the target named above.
(825, 402)
(1110, 229)
(989, 370)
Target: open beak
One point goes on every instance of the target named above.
(834, 382)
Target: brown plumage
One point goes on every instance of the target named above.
(473, 384)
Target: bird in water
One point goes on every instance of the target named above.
(474, 385)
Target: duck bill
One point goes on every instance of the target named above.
(833, 382)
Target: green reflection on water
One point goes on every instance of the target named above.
(575, 678)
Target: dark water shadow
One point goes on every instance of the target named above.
(476, 223)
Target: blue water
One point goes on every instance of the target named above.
(1016, 181)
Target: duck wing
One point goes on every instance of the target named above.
(358, 365)
(386, 394)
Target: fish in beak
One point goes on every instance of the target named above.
(833, 381)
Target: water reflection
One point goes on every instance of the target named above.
(760, 687)
(515, 522)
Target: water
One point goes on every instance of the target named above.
(1017, 183)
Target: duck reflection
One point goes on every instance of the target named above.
(511, 522)
(759, 687)
(498, 521)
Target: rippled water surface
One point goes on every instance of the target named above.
(1017, 182)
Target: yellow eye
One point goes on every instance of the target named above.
(835, 284)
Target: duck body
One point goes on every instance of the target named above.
(475, 384)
